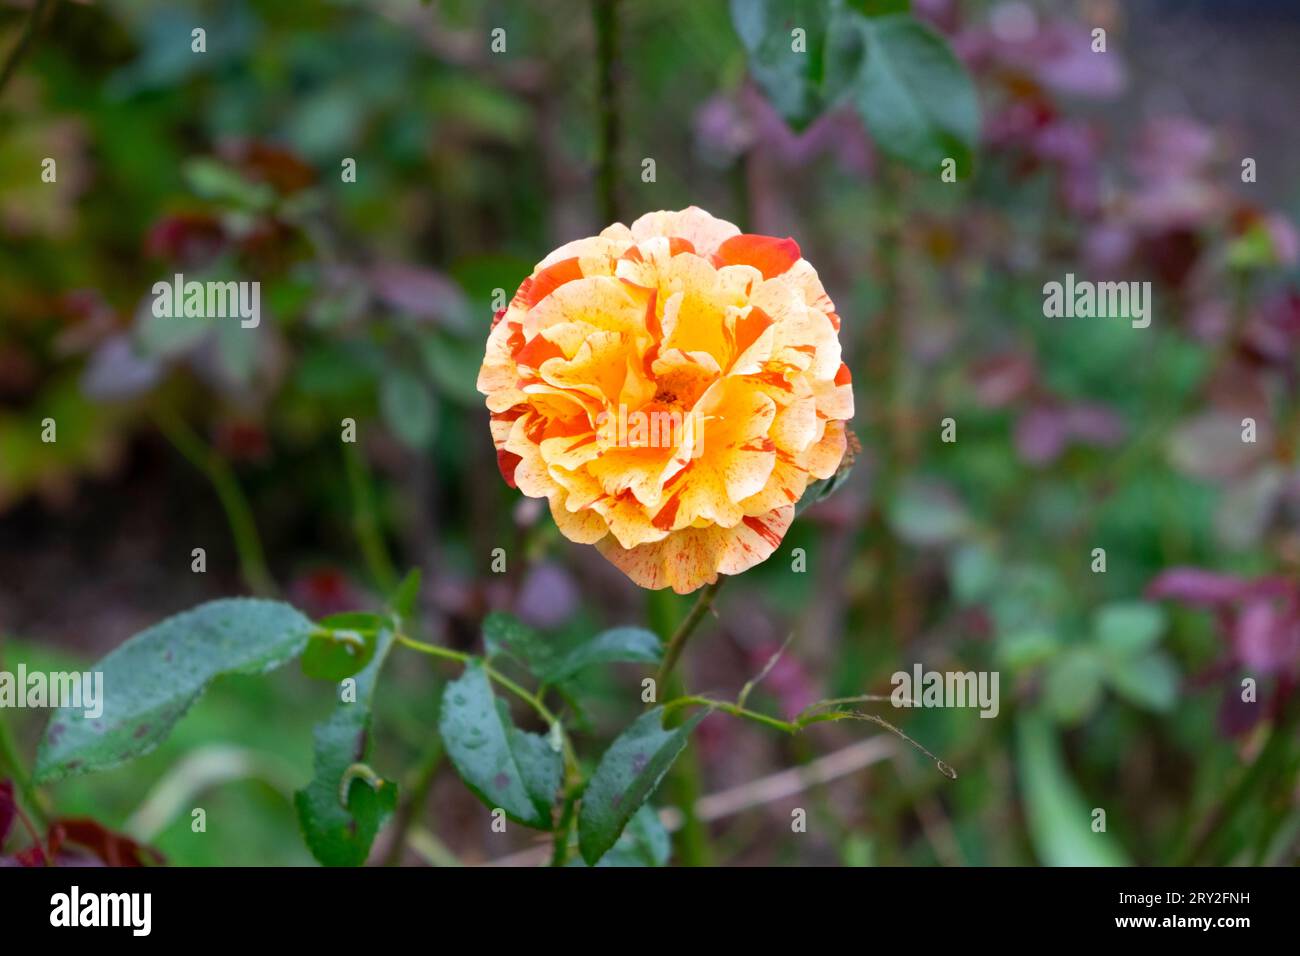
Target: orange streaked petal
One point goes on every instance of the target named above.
(768, 254)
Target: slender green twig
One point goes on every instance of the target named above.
(816, 714)
(239, 516)
(34, 20)
(735, 710)
(365, 523)
(677, 643)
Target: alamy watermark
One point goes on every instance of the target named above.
(57, 689)
(657, 428)
(923, 688)
(133, 911)
(1102, 300)
(180, 299)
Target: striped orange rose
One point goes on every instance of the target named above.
(671, 388)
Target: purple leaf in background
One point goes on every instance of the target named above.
(1273, 332)
(999, 380)
(1259, 619)
(1198, 587)
(1040, 435)
(727, 126)
(1044, 432)
(1267, 636)
(723, 132)
(422, 293)
(1094, 424)
(1237, 716)
(548, 596)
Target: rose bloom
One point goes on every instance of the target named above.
(679, 319)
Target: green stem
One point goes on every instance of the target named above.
(605, 16)
(25, 41)
(734, 710)
(560, 839)
(239, 516)
(816, 714)
(531, 699)
(365, 524)
(677, 643)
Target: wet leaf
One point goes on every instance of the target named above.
(151, 680)
(628, 773)
(506, 768)
(339, 835)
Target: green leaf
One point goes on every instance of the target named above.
(1129, 628)
(1019, 650)
(335, 834)
(215, 180)
(617, 644)
(627, 775)
(915, 96)
(406, 595)
(506, 635)
(800, 75)
(881, 8)
(926, 513)
(974, 570)
(644, 842)
(506, 767)
(453, 367)
(1073, 685)
(822, 489)
(1060, 821)
(408, 408)
(1149, 682)
(152, 679)
(341, 645)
